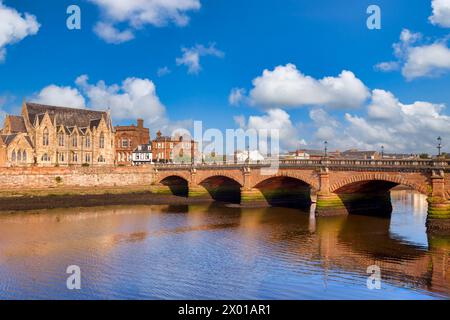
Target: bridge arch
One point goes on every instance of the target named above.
(164, 175)
(308, 179)
(397, 180)
(235, 176)
(286, 190)
(176, 184)
(222, 188)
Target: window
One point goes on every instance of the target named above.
(61, 157)
(102, 141)
(45, 137)
(45, 158)
(87, 158)
(61, 139)
(101, 159)
(75, 157)
(24, 155)
(75, 141)
(13, 155)
(19, 155)
(124, 143)
(88, 141)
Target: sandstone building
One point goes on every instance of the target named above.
(128, 138)
(46, 135)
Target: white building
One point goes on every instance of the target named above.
(142, 155)
(242, 156)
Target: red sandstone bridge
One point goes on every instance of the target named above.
(342, 186)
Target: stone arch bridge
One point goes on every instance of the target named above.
(340, 186)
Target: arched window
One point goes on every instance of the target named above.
(88, 141)
(19, 155)
(24, 155)
(102, 141)
(45, 157)
(13, 156)
(101, 159)
(45, 138)
(75, 140)
(61, 139)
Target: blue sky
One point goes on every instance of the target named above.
(235, 42)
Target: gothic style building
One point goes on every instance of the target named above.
(48, 136)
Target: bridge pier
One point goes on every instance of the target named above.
(438, 220)
(199, 192)
(328, 203)
(251, 197)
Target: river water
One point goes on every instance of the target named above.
(217, 252)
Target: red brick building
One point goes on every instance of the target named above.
(127, 139)
(173, 149)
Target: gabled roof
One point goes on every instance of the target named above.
(17, 124)
(68, 117)
(7, 139)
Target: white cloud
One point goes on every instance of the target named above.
(399, 127)
(441, 13)
(131, 99)
(14, 27)
(191, 56)
(427, 61)
(387, 66)
(237, 96)
(139, 13)
(274, 119)
(60, 96)
(418, 60)
(112, 35)
(286, 86)
(163, 71)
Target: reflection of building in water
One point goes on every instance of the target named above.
(335, 247)
(415, 201)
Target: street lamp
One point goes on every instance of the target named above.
(326, 148)
(439, 139)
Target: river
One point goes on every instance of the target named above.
(219, 252)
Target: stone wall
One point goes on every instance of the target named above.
(52, 177)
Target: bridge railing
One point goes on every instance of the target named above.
(384, 163)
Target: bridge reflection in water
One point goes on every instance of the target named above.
(206, 252)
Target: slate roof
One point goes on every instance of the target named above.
(17, 124)
(68, 117)
(7, 139)
(144, 148)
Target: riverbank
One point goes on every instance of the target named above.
(34, 199)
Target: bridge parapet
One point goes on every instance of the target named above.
(330, 163)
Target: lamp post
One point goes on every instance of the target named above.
(439, 139)
(326, 148)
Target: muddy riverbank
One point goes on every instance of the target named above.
(18, 200)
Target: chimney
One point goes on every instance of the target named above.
(140, 123)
